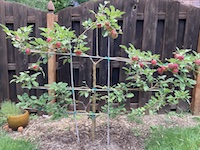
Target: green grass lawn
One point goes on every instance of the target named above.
(7, 143)
(174, 139)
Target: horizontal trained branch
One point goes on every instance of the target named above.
(123, 59)
(96, 89)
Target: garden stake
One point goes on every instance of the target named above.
(108, 84)
(73, 95)
(94, 67)
(94, 101)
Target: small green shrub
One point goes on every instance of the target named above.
(9, 108)
(174, 139)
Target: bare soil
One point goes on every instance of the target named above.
(124, 135)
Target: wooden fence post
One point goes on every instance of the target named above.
(195, 106)
(52, 60)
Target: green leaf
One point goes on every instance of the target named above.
(105, 33)
(106, 2)
(36, 84)
(86, 94)
(129, 95)
(191, 81)
(13, 80)
(29, 86)
(65, 61)
(20, 98)
(92, 11)
(33, 97)
(145, 87)
(123, 47)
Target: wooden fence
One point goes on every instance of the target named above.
(156, 25)
(15, 15)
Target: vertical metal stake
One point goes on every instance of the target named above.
(108, 84)
(73, 94)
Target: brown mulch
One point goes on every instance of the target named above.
(124, 135)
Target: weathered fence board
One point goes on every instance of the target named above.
(21, 60)
(171, 29)
(192, 28)
(149, 37)
(63, 69)
(4, 90)
(11, 57)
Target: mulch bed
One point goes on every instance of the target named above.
(124, 135)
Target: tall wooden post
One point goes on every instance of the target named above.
(195, 106)
(52, 60)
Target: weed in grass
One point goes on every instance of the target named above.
(7, 143)
(174, 139)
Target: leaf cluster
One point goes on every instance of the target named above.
(168, 87)
(26, 80)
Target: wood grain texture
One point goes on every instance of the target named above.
(21, 60)
(40, 21)
(63, 72)
(171, 29)
(4, 83)
(149, 37)
(52, 60)
(192, 28)
(129, 34)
